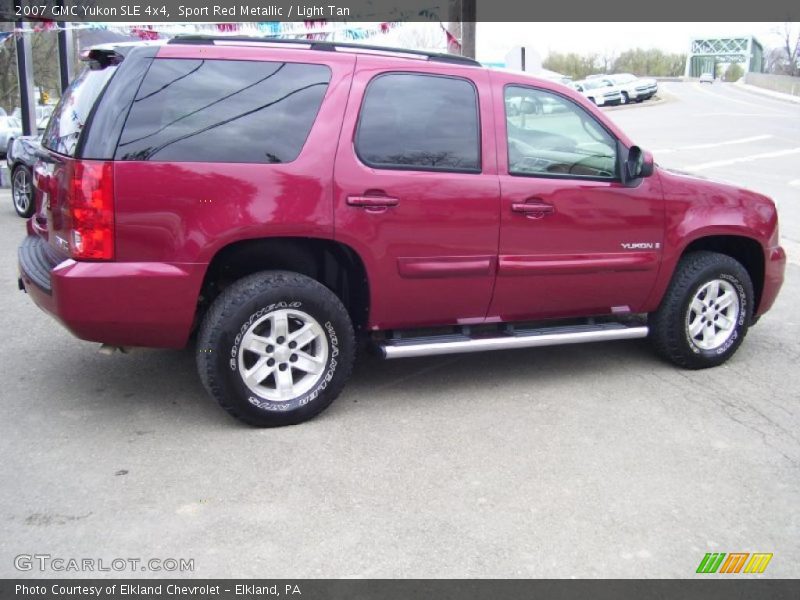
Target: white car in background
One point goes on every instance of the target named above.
(10, 128)
(43, 112)
(634, 89)
(599, 91)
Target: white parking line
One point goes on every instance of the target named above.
(746, 140)
(734, 161)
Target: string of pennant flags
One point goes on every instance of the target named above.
(320, 30)
(154, 31)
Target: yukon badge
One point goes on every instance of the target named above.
(641, 246)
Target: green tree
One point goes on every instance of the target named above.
(572, 64)
(734, 72)
(44, 48)
(652, 62)
(639, 61)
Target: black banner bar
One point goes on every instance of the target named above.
(221, 11)
(711, 588)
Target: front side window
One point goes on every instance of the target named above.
(420, 122)
(223, 111)
(549, 135)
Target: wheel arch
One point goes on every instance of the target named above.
(745, 250)
(335, 265)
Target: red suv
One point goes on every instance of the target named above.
(283, 201)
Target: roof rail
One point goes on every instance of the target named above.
(323, 45)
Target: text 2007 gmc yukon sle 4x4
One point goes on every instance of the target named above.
(286, 200)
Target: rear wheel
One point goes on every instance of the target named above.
(625, 98)
(705, 312)
(22, 191)
(275, 348)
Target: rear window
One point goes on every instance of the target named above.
(223, 111)
(72, 112)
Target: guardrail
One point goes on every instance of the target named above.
(777, 83)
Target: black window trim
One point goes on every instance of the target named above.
(614, 138)
(383, 167)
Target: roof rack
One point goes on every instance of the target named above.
(327, 46)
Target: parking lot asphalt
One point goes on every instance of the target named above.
(578, 461)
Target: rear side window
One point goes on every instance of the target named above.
(420, 122)
(223, 111)
(70, 116)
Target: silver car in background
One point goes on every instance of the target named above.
(10, 128)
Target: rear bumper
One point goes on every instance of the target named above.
(774, 267)
(122, 304)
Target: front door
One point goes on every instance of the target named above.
(574, 241)
(416, 191)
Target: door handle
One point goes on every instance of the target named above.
(372, 201)
(533, 210)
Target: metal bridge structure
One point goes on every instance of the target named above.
(707, 53)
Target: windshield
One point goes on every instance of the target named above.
(593, 84)
(70, 115)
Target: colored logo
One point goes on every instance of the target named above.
(736, 562)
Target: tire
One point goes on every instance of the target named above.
(699, 278)
(253, 313)
(22, 191)
(625, 98)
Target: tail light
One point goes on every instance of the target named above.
(90, 210)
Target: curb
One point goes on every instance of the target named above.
(656, 100)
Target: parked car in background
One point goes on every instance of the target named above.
(21, 157)
(599, 91)
(706, 78)
(632, 88)
(10, 128)
(43, 112)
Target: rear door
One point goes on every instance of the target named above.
(416, 191)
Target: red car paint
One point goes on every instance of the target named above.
(438, 248)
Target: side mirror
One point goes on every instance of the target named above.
(638, 164)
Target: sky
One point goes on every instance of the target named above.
(494, 40)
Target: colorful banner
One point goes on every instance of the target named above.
(312, 30)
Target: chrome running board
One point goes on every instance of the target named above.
(520, 338)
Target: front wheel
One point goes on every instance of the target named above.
(705, 313)
(625, 98)
(275, 348)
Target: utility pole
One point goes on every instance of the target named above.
(27, 100)
(462, 15)
(468, 18)
(64, 54)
